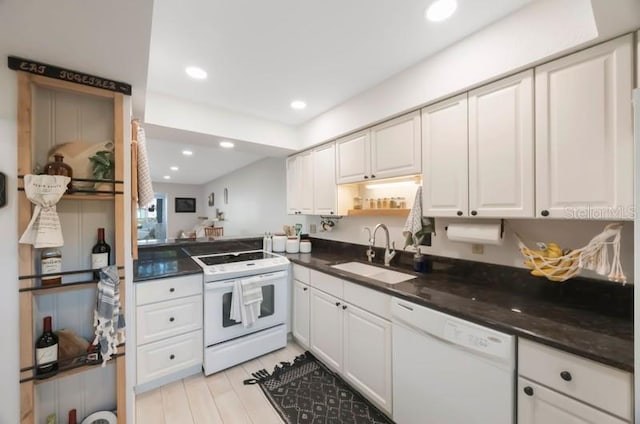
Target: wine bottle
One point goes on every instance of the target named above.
(73, 419)
(50, 263)
(100, 254)
(47, 351)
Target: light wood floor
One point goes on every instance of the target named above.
(218, 399)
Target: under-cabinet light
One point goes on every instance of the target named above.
(393, 184)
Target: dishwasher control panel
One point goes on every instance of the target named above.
(473, 338)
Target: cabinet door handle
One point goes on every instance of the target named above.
(172, 357)
(566, 375)
(544, 212)
(344, 307)
(373, 176)
(474, 213)
(305, 288)
(330, 212)
(171, 290)
(337, 303)
(366, 177)
(528, 391)
(459, 213)
(409, 308)
(172, 319)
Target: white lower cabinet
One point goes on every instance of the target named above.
(300, 324)
(539, 405)
(326, 329)
(169, 339)
(561, 388)
(353, 341)
(367, 355)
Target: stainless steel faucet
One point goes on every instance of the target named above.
(390, 250)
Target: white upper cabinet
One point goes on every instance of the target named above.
(300, 184)
(293, 186)
(324, 180)
(391, 149)
(444, 158)
(396, 147)
(352, 158)
(501, 148)
(584, 135)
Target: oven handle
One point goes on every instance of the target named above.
(264, 278)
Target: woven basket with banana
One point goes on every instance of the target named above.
(557, 264)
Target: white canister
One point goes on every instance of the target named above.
(279, 243)
(293, 245)
(305, 246)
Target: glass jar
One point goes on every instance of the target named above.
(58, 167)
(357, 202)
(50, 263)
(379, 203)
(393, 203)
(385, 203)
(372, 203)
(402, 203)
(365, 205)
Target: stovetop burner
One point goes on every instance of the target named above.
(228, 258)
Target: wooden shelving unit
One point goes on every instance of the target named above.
(379, 212)
(29, 290)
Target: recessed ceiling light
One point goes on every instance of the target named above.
(174, 168)
(196, 73)
(298, 105)
(226, 144)
(440, 10)
(187, 152)
(167, 177)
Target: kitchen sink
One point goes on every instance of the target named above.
(376, 273)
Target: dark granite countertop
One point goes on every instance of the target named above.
(170, 258)
(587, 324)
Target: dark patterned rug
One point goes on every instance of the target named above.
(307, 392)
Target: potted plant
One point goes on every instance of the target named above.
(102, 167)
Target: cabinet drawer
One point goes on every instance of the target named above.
(301, 273)
(168, 288)
(326, 283)
(158, 321)
(602, 386)
(165, 357)
(368, 299)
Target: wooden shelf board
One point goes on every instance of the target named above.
(89, 196)
(378, 212)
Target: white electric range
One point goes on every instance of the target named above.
(227, 342)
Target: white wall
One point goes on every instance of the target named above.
(9, 349)
(177, 222)
(538, 31)
(257, 199)
(568, 234)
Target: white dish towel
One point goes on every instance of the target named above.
(417, 226)
(246, 300)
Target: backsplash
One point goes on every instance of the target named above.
(567, 233)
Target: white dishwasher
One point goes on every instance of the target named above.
(449, 371)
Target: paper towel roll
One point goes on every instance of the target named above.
(475, 233)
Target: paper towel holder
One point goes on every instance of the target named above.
(501, 228)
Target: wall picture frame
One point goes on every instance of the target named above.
(185, 204)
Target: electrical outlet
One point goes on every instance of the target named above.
(478, 249)
(312, 228)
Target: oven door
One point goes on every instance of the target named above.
(218, 327)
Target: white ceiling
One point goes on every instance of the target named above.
(260, 55)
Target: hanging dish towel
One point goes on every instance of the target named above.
(44, 191)
(246, 300)
(107, 318)
(145, 188)
(416, 226)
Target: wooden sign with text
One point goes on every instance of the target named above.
(32, 67)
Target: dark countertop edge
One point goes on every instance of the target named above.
(493, 324)
(164, 276)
